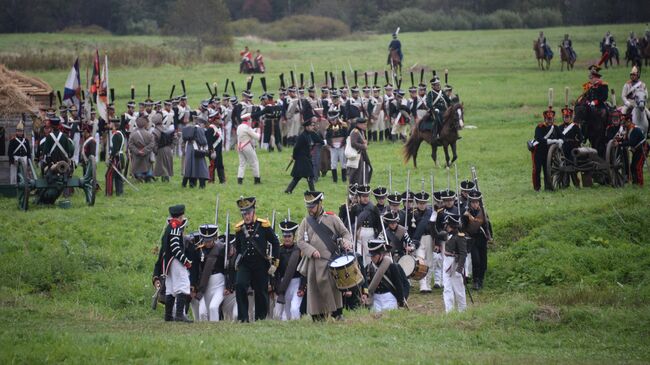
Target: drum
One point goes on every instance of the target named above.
(345, 271)
(414, 268)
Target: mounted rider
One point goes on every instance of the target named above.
(438, 102)
(607, 42)
(246, 60)
(633, 47)
(635, 97)
(548, 53)
(396, 45)
(568, 46)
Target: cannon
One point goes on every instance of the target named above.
(55, 180)
(585, 160)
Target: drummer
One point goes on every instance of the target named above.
(318, 247)
(386, 281)
(398, 237)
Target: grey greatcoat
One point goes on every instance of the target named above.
(165, 140)
(141, 145)
(323, 297)
(196, 149)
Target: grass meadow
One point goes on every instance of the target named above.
(567, 280)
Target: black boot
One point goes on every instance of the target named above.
(169, 308)
(344, 174)
(310, 182)
(240, 180)
(279, 148)
(335, 176)
(180, 309)
(184, 183)
(222, 176)
(291, 186)
(257, 181)
(381, 136)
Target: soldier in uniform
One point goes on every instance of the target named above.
(376, 115)
(385, 278)
(214, 137)
(319, 247)
(448, 207)
(631, 89)
(117, 147)
(548, 53)
(290, 285)
(398, 237)
(356, 166)
(473, 221)
(196, 149)
(302, 167)
(352, 201)
(336, 136)
(455, 251)
(595, 95)
(165, 139)
(396, 45)
(141, 146)
(18, 151)
(394, 203)
(129, 117)
(293, 115)
(89, 146)
(380, 195)
(175, 265)
(546, 133)
(568, 46)
(246, 139)
(255, 262)
(272, 114)
(368, 223)
(635, 140)
(422, 236)
(572, 137)
(353, 106)
(437, 102)
(212, 279)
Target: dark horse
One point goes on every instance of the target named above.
(565, 56)
(633, 54)
(644, 47)
(541, 55)
(452, 123)
(610, 53)
(395, 62)
(594, 123)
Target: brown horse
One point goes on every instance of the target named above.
(541, 55)
(565, 57)
(452, 123)
(644, 47)
(395, 63)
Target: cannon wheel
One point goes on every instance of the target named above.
(555, 163)
(616, 164)
(90, 181)
(22, 185)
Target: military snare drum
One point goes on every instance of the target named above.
(414, 267)
(345, 271)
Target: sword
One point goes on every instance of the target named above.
(123, 178)
(216, 212)
(289, 165)
(225, 259)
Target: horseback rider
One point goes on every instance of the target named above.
(608, 41)
(396, 45)
(437, 101)
(635, 94)
(633, 51)
(548, 53)
(246, 60)
(568, 46)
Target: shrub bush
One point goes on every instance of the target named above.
(409, 20)
(509, 19)
(306, 27)
(542, 17)
(248, 26)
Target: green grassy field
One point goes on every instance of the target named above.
(568, 274)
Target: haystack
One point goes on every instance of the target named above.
(20, 93)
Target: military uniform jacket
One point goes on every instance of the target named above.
(302, 156)
(457, 245)
(367, 216)
(89, 148)
(630, 88)
(213, 135)
(57, 147)
(474, 224)
(612, 131)
(173, 242)
(260, 236)
(441, 215)
(597, 93)
(18, 147)
(543, 133)
(390, 283)
(353, 108)
(437, 100)
(421, 223)
(398, 239)
(572, 135)
(635, 138)
(336, 134)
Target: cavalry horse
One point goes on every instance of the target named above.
(594, 122)
(541, 55)
(610, 53)
(452, 123)
(633, 54)
(567, 58)
(395, 63)
(644, 48)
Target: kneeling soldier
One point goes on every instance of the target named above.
(290, 286)
(386, 282)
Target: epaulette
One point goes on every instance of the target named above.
(239, 225)
(265, 222)
(461, 234)
(604, 83)
(329, 213)
(541, 125)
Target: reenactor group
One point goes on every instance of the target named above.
(627, 126)
(366, 256)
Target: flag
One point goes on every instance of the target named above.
(94, 83)
(72, 92)
(102, 93)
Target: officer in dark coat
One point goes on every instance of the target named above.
(395, 44)
(546, 134)
(257, 251)
(636, 140)
(303, 167)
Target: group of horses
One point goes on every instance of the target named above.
(639, 56)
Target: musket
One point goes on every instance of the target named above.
(390, 178)
(347, 212)
(406, 206)
(448, 179)
(171, 94)
(364, 172)
(354, 236)
(289, 214)
(487, 217)
(383, 229)
(457, 191)
(216, 212)
(225, 259)
(269, 248)
(289, 165)
(432, 203)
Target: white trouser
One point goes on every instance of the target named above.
(178, 279)
(212, 298)
(228, 136)
(337, 155)
(229, 307)
(454, 291)
(290, 310)
(438, 259)
(247, 156)
(377, 123)
(468, 265)
(383, 302)
(425, 252)
(401, 129)
(365, 234)
(75, 140)
(196, 305)
(13, 169)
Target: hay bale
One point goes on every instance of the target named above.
(15, 91)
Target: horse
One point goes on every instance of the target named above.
(395, 62)
(541, 56)
(633, 54)
(639, 111)
(644, 48)
(567, 58)
(611, 53)
(594, 122)
(452, 123)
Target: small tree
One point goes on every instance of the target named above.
(205, 20)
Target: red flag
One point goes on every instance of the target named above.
(96, 78)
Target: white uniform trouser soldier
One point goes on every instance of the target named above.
(229, 307)
(377, 123)
(425, 252)
(290, 310)
(211, 301)
(365, 234)
(400, 129)
(453, 281)
(177, 281)
(247, 156)
(383, 302)
(337, 155)
(13, 169)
